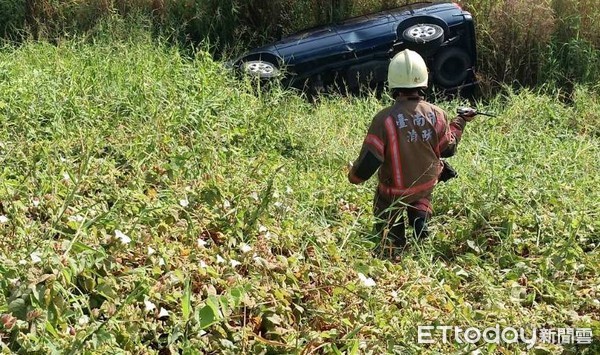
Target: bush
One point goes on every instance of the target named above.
(12, 18)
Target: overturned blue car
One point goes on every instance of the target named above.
(355, 53)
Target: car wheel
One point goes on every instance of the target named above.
(260, 68)
(424, 33)
(423, 38)
(451, 67)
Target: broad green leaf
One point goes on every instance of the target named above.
(18, 308)
(207, 316)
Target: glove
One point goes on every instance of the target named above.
(447, 173)
(467, 113)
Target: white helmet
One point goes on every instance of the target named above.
(407, 70)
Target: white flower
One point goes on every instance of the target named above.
(151, 251)
(203, 264)
(66, 176)
(122, 237)
(245, 248)
(201, 243)
(226, 205)
(288, 190)
(35, 201)
(3, 219)
(149, 306)
(367, 281)
(76, 218)
(262, 229)
(161, 262)
(36, 257)
(83, 320)
(254, 196)
(235, 263)
(22, 262)
(163, 313)
(184, 202)
(220, 259)
(259, 261)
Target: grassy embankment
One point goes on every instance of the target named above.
(242, 225)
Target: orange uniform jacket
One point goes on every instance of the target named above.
(406, 141)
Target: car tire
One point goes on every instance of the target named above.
(424, 34)
(260, 68)
(451, 67)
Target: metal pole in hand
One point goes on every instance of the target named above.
(472, 111)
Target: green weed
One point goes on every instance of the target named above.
(150, 202)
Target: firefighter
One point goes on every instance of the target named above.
(406, 142)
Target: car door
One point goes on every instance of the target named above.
(368, 36)
(313, 48)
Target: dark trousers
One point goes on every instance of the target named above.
(390, 219)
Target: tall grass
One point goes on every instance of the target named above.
(513, 35)
(243, 227)
(549, 42)
(546, 43)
